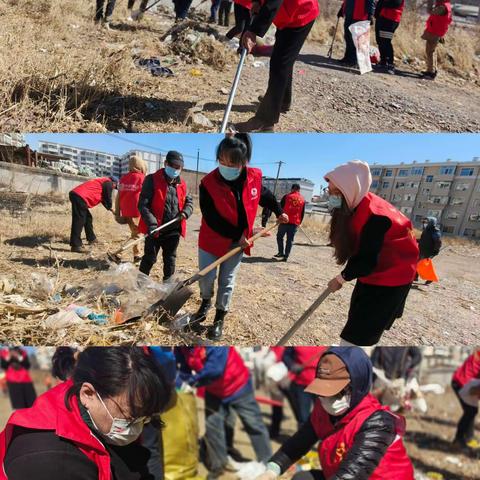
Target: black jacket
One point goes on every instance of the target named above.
(430, 242)
(42, 455)
(370, 445)
(171, 210)
(386, 4)
(397, 362)
(222, 226)
(107, 190)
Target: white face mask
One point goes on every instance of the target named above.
(123, 431)
(336, 406)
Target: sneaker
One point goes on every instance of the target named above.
(284, 259)
(346, 62)
(254, 125)
(279, 255)
(390, 69)
(94, 242)
(80, 249)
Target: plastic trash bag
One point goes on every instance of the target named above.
(41, 286)
(426, 270)
(180, 439)
(361, 38)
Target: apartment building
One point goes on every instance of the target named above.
(284, 186)
(100, 163)
(153, 160)
(12, 139)
(448, 191)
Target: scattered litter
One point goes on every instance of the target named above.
(301, 72)
(57, 298)
(41, 286)
(18, 305)
(258, 64)
(195, 72)
(7, 286)
(224, 91)
(82, 312)
(435, 476)
(98, 318)
(71, 290)
(153, 66)
(454, 460)
(61, 319)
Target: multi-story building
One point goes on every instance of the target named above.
(153, 160)
(12, 139)
(99, 163)
(284, 186)
(448, 191)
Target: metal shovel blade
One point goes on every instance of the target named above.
(169, 306)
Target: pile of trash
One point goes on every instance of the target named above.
(197, 43)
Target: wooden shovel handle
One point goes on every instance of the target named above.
(233, 252)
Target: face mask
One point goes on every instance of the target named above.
(336, 406)
(334, 201)
(229, 173)
(172, 172)
(122, 432)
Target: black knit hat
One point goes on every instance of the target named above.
(174, 157)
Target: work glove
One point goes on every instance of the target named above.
(340, 12)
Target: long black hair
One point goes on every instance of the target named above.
(115, 370)
(237, 147)
(63, 362)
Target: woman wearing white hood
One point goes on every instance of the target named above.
(378, 246)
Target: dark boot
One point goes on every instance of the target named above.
(199, 317)
(215, 332)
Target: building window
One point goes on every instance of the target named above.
(466, 172)
(406, 210)
(386, 184)
(425, 191)
(469, 232)
(400, 185)
(416, 171)
(374, 184)
(462, 187)
(413, 185)
(388, 173)
(474, 217)
(376, 172)
(452, 215)
(443, 185)
(429, 179)
(447, 170)
(433, 213)
(456, 201)
(408, 198)
(403, 173)
(448, 229)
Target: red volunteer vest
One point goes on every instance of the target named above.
(226, 205)
(308, 357)
(12, 375)
(469, 370)
(50, 413)
(394, 14)
(438, 24)
(278, 351)
(160, 187)
(359, 12)
(244, 3)
(294, 203)
(296, 13)
(129, 190)
(91, 191)
(397, 262)
(338, 439)
(235, 376)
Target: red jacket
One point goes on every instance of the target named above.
(226, 205)
(438, 24)
(129, 190)
(235, 377)
(398, 257)
(359, 10)
(16, 375)
(469, 370)
(160, 187)
(294, 204)
(308, 357)
(244, 3)
(336, 441)
(91, 191)
(278, 351)
(296, 13)
(394, 14)
(50, 413)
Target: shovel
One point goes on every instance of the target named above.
(330, 50)
(305, 233)
(306, 315)
(179, 295)
(115, 256)
(233, 90)
(138, 13)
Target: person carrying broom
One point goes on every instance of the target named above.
(376, 243)
(229, 199)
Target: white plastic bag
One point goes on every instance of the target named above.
(361, 38)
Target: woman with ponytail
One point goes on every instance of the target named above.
(229, 200)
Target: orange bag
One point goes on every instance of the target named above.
(426, 270)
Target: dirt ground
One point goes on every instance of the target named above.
(75, 76)
(269, 295)
(428, 438)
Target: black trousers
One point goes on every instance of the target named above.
(143, 4)
(384, 30)
(108, 11)
(81, 219)
(181, 8)
(169, 246)
(278, 97)
(22, 395)
(153, 440)
(309, 475)
(466, 424)
(224, 13)
(373, 309)
(350, 50)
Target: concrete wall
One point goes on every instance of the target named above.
(20, 178)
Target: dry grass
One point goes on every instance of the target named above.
(458, 55)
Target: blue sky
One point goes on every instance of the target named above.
(305, 155)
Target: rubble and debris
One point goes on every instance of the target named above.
(154, 66)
